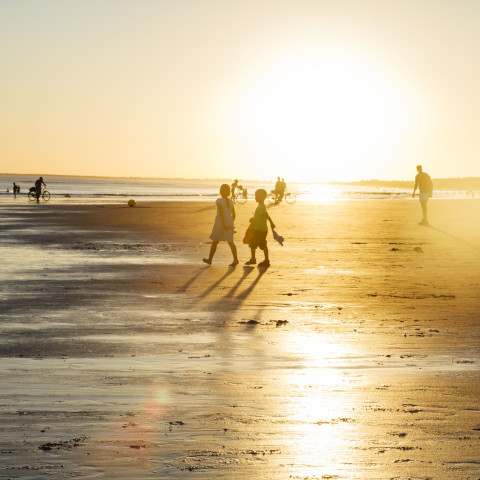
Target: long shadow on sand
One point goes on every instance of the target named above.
(247, 270)
(458, 239)
(243, 295)
(195, 276)
(228, 304)
(205, 209)
(217, 283)
(232, 302)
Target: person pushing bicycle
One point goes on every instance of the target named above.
(38, 187)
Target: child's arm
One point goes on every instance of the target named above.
(233, 213)
(270, 220)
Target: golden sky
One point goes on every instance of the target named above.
(307, 90)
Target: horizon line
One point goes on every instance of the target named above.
(132, 177)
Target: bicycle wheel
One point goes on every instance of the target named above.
(46, 196)
(240, 199)
(272, 198)
(32, 196)
(290, 198)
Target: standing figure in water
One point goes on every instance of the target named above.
(425, 187)
(223, 227)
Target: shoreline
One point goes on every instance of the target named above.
(120, 200)
(369, 182)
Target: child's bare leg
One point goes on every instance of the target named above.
(266, 262)
(213, 249)
(233, 248)
(252, 260)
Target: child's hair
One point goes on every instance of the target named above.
(261, 194)
(225, 190)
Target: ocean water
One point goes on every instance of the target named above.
(119, 190)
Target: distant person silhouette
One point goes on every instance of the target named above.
(278, 190)
(223, 228)
(282, 189)
(38, 187)
(425, 188)
(14, 190)
(259, 229)
(233, 188)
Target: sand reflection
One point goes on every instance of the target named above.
(319, 414)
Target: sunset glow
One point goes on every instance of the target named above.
(315, 110)
(311, 91)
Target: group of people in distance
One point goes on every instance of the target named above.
(238, 190)
(16, 189)
(37, 188)
(223, 228)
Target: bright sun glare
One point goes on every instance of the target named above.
(320, 114)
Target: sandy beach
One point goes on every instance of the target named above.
(354, 356)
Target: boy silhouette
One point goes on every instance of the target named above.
(259, 229)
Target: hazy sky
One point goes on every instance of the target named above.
(308, 90)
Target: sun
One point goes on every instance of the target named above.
(319, 115)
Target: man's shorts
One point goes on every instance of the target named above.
(423, 197)
(258, 239)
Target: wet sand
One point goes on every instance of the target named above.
(354, 356)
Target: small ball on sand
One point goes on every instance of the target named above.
(131, 202)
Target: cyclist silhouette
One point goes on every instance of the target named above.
(38, 187)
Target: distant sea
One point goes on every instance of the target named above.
(119, 190)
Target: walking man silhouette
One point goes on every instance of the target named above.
(425, 188)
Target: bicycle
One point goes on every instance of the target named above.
(240, 198)
(32, 195)
(289, 197)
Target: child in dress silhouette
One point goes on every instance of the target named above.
(223, 227)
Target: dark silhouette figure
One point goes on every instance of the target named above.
(223, 228)
(38, 187)
(278, 190)
(14, 190)
(282, 189)
(425, 187)
(259, 229)
(233, 187)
